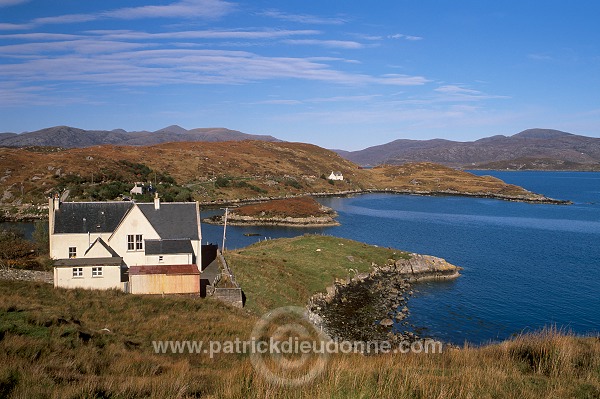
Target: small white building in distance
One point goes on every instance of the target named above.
(137, 189)
(336, 176)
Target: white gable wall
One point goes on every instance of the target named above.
(59, 248)
(134, 223)
(98, 251)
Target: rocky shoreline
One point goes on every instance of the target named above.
(534, 198)
(237, 220)
(367, 306)
(19, 216)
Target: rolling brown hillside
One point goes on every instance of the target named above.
(245, 168)
(223, 171)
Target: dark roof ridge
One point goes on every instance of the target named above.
(100, 241)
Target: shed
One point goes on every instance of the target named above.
(164, 279)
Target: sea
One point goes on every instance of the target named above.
(526, 266)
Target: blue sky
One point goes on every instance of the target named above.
(343, 74)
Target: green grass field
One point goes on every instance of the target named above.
(288, 271)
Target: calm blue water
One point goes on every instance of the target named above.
(26, 228)
(526, 266)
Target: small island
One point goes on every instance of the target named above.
(294, 212)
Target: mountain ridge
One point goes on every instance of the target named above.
(72, 137)
(555, 147)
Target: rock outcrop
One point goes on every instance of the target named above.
(425, 267)
(373, 306)
(238, 220)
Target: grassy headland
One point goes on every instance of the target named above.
(57, 343)
(288, 271)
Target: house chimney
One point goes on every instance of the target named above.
(156, 201)
(56, 202)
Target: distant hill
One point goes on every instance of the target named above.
(70, 137)
(6, 135)
(213, 172)
(552, 148)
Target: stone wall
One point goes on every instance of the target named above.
(233, 296)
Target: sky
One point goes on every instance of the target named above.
(339, 74)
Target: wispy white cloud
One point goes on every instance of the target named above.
(304, 18)
(40, 36)
(460, 93)
(333, 99)
(343, 44)
(278, 102)
(405, 37)
(404, 80)
(8, 3)
(179, 9)
(82, 46)
(64, 19)
(458, 90)
(206, 34)
(130, 67)
(368, 37)
(363, 98)
(11, 26)
(539, 57)
(186, 9)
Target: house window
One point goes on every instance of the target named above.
(160, 258)
(96, 272)
(77, 272)
(72, 252)
(135, 242)
(130, 242)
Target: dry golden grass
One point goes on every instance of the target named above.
(434, 178)
(52, 346)
(300, 207)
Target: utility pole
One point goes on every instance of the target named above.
(224, 230)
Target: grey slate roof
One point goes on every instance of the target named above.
(173, 220)
(163, 247)
(100, 241)
(93, 217)
(114, 261)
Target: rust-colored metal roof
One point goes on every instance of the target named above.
(163, 269)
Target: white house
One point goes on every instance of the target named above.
(97, 245)
(336, 176)
(137, 189)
